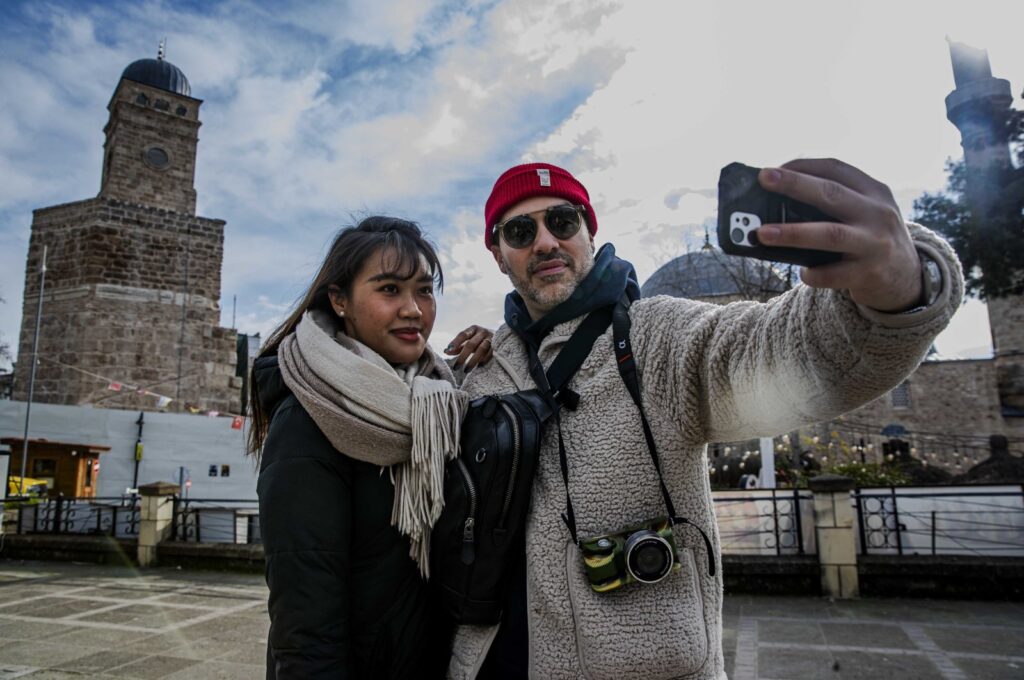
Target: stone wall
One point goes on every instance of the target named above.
(112, 309)
(1006, 318)
(150, 148)
(946, 398)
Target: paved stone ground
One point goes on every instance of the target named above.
(70, 621)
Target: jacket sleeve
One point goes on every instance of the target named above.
(757, 369)
(306, 524)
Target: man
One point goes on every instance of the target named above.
(706, 373)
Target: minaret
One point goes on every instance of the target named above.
(977, 107)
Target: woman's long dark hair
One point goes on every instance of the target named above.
(401, 239)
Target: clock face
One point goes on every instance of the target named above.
(157, 157)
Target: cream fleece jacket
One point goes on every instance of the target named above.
(707, 373)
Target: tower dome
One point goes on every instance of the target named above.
(158, 73)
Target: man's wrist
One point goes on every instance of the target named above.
(931, 283)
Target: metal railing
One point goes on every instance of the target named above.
(216, 521)
(940, 521)
(766, 521)
(104, 516)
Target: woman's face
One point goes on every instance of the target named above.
(390, 315)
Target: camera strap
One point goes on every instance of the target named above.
(555, 383)
(621, 325)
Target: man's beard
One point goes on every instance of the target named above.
(553, 294)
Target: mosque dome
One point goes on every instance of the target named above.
(160, 74)
(710, 273)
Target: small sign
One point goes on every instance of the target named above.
(138, 450)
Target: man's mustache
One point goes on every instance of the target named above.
(536, 262)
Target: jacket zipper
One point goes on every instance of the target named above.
(468, 534)
(515, 462)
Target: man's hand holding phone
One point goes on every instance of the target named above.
(879, 264)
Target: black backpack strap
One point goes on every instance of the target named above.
(621, 325)
(554, 382)
(556, 379)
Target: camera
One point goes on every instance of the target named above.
(642, 553)
(743, 206)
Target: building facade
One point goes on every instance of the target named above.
(131, 291)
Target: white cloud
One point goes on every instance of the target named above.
(315, 112)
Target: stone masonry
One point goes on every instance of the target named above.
(132, 291)
(1006, 317)
(145, 121)
(958, 397)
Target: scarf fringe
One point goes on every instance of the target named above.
(419, 484)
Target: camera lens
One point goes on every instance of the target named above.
(648, 557)
(737, 235)
(746, 221)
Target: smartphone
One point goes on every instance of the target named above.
(743, 206)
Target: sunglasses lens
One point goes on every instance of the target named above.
(563, 221)
(519, 232)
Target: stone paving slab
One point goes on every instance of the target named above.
(61, 621)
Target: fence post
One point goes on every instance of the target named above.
(833, 523)
(156, 514)
(55, 528)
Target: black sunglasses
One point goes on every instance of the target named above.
(563, 221)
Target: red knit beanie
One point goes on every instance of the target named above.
(534, 179)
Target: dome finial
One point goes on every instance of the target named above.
(707, 240)
(160, 50)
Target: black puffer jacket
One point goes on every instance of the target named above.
(346, 600)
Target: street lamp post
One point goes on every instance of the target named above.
(32, 373)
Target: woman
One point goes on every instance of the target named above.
(353, 417)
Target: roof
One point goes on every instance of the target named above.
(41, 441)
(712, 273)
(160, 74)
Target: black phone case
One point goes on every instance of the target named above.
(738, 189)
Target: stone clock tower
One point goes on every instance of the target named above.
(131, 302)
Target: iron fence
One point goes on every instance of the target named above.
(940, 521)
(766, 521)
(104, 516)
(216, 521)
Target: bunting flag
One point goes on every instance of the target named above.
(115, 385)
(162, 400)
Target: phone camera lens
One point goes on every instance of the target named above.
(746, 221)
(737, 236)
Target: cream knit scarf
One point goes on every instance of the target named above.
(406, 418)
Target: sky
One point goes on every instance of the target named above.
(316, 114)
